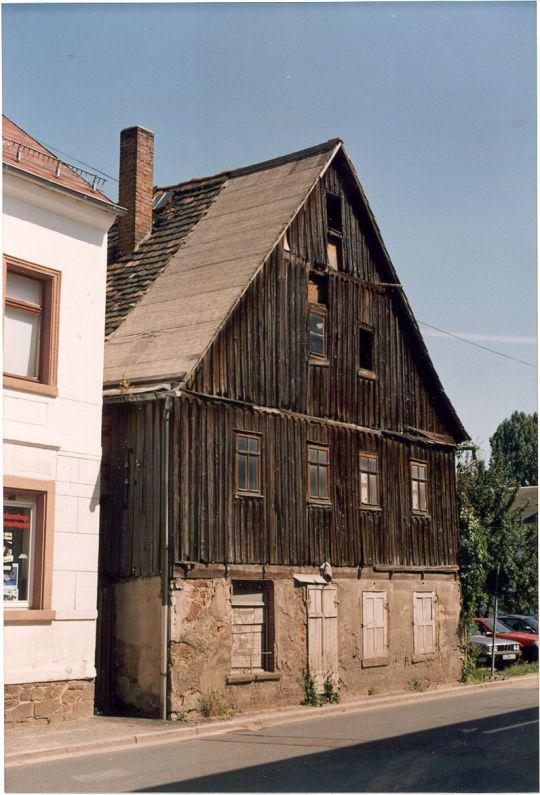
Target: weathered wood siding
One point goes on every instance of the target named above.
(260, 355)
(210, 524)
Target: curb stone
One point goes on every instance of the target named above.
(168, 733)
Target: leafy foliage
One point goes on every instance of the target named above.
(514, 449)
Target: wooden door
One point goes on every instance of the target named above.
(322, 633)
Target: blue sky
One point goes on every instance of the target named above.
(435, 103)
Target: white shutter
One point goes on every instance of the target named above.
(424, 622)
(374, 624)
(322, 632)
(248, 630)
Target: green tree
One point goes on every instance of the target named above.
(514, 449)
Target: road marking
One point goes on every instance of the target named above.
(509, 728)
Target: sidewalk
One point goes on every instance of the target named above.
(100, 733)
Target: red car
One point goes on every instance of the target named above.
(527, 640)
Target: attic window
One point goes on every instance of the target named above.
(161, 199)
(333, 213)
(366, 357)
(318, 290)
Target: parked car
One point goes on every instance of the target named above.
(521, 623)
(527, 640)
(506, 652)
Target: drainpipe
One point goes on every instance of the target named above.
(165, 560)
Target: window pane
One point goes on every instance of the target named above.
(17, 530)
(414, 471)
(372, 465)
(242, 473)
(421, 472)
(415, 495)
(253, 484)
(364, 493)
(21, 342)
(422, 496)
(373, 500)
(323, 456)
(316, 323)
(316, 345)
(323, 483)
(313, 454)
(242, 443)
(313, 491)
(23, 289)
(253, 445)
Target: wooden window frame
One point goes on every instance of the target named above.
(266, 586)
(46, 381)
(369, 506)
(315, 499)
(248, 454)
(337, 199)
(422, 511)
(363, 371)
(321, 311)
(43, 491)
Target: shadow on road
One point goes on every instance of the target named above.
(495, 754)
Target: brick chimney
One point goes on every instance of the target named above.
(136, 178)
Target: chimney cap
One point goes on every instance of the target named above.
(136, 127)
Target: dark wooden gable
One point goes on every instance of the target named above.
(260, 355)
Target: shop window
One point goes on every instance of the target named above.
(248, 464)
(369, 480)
(374, 624)
(424, 623)
(31, 308)
(318, 473)
(419, 486)
(251, 632)
(28, 518)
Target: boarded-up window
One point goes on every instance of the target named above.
(424, 623)
(322, 633)
(374, 624)
(250, 635)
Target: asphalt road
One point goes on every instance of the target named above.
(472, 741)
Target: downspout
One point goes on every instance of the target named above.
(165, 560)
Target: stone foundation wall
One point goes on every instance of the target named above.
(47, 702)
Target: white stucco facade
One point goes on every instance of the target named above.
(57, 439)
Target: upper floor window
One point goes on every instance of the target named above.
(366, 358)
(334, 248)
(317, 332)
(248, 464)
(369, 480)
(31, 308)
(318, 473)
(419, 486)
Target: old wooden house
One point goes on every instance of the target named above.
(278, 477)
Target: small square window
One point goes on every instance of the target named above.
(419, 486)
(248, 464)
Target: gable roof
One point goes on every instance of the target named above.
(526, 501)
(167, 302)
(24, 154)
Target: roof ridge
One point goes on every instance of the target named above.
(274, 162)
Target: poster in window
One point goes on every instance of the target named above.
(11, 582)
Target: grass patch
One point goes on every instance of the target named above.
(511, 671)
(213, 705)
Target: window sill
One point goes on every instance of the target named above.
(421, 514)
(375, 662)
(24, 385)
(369, 375)
(14, 616)
(249, 495)
(318, 362)
(319, 504)
(418, 658)
(372, 508)
(254, 676)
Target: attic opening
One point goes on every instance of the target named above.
(334, 225)
(318, 289)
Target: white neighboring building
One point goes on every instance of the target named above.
(55, 227)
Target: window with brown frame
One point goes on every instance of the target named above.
(419, 486)
(318, 473)
(248, 464)
(317, 341)
(31, 310)
(369, 480)
(28, 529)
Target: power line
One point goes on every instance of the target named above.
(81, 162)
(476, 344)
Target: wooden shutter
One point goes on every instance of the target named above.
(374, 624)
(248, 630)
(424, 623)
(322, 632)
